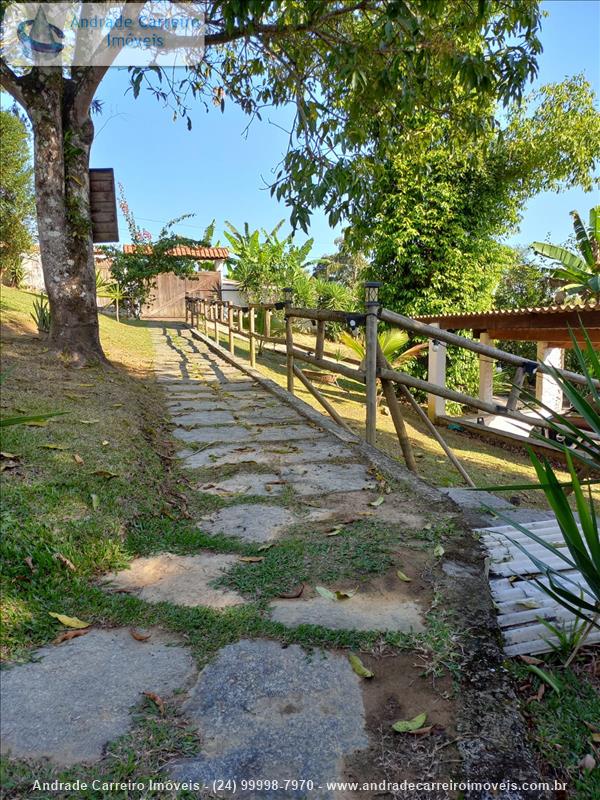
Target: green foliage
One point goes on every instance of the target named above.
(134, 273)
(440, 198)
(579, 274)
(523, 283)
(41, 314)
(17, 203)
(392, 344)
(264, 263)
(344, 266)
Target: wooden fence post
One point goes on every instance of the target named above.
(372, 307)
(240, 320)
(230, 327)
(216, 312)
(289, 341)
(267, 322)
(251, 321)
(436, 373)
(320, 343)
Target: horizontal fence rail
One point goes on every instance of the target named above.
(219, 317)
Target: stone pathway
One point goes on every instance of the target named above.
(261, 709)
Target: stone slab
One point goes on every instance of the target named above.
(264, 484)
(278, 413)
(214, 417)
(289, 433)
(252, 522)
(384, 611)
(223, 455)
(220, 433)
(268, 712)
(182, 580)
(324, 478)
(76, 697)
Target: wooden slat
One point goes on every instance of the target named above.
(514, 596)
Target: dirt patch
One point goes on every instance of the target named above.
(400, 690)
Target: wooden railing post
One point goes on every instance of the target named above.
(267, 322)
(251, 320)
(320, 343)
(216, 320)
(240, 320)
(372, 308)
(289, 341)
(230, 329)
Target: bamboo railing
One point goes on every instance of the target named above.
(219, 317)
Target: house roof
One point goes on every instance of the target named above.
(536, 324)
(198, 253)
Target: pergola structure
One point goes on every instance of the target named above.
(548, 327)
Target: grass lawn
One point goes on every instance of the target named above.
(89, 490)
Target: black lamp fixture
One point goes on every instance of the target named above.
(372, 293)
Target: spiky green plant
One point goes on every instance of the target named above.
(392, 344)
(580, 527)
(580, 273)
(41, 314)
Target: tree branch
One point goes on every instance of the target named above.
(11, 83)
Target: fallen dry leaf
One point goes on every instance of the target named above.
(78, 459)
(531, 660)
(70, 622)
(293, 593)
(30, 564)
(66, 636)
(64, 560)
(587, 763)
(358, 667)
(138, 636)
(158, 701)
(421, 731)
(252, 559)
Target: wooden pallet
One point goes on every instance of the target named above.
(519, 601)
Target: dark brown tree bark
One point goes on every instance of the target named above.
(63, 133)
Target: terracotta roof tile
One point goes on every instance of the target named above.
(199, 253)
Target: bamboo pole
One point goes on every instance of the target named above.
(230, 329)
(289, 341)
(464, 399)
(317, 313)
(437, 435)
(331, 366)
(396, 414)
(322, 400)
(252, 338)
(371, 347)
(320, 340)
(515, 389)
(432, 332)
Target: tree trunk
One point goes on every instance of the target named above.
(63, 137)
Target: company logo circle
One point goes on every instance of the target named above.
(40, 35)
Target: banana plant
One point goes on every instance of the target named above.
(579, 272)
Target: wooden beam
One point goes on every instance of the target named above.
(322, 400)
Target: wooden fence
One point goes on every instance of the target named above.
(216, 318)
